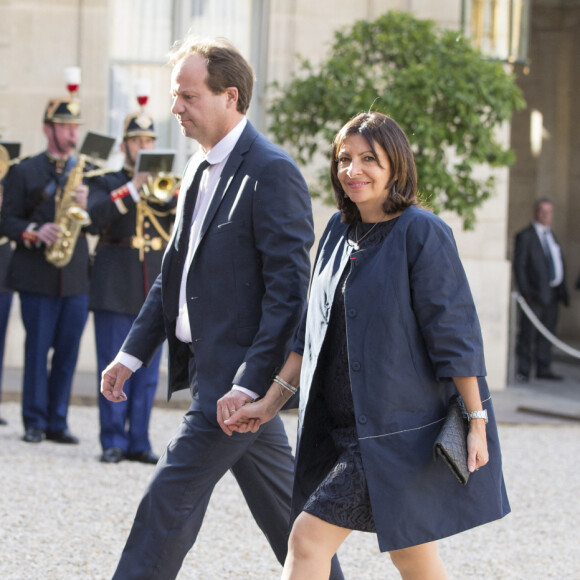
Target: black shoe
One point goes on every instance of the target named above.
(522, 378)
(63, 436)
(33, 435)
(112, 455)
(3, 421)
(549, 375)
(143, 457)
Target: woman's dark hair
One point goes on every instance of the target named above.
(379, 130)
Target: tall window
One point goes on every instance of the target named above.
(141, 34)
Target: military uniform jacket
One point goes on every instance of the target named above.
(5, 256)
(29, 201)
(126, 260)
(411, 325)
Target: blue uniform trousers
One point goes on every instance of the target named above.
(58, 323)
(126, 424)
(5, 303)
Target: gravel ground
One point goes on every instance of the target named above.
(65, 516)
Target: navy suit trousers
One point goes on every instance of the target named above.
(172, 510)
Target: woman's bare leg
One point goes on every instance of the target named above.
(312, 544)
(419, 562)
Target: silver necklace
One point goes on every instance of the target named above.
(357, 240)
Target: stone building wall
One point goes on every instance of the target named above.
(41, 37)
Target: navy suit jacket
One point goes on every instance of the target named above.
(247, 283)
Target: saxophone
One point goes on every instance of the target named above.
(4, 161)
(69, 217)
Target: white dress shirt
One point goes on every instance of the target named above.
(547, 239)
(217, 157)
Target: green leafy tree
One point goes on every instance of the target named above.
(444, 94)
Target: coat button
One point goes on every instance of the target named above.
(351, 312)
(362, 419)
(355, 366)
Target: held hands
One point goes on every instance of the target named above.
(112, 381)
(250, 416)
(228, 406)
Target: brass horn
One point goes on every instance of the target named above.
(161, 187)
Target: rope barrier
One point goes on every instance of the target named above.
(542, 329)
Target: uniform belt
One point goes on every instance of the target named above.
(121, 242)
(132, 242)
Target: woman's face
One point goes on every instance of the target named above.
(364, 175)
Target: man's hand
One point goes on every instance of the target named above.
(81, 195)
(139, 179)
(228, 405)
(112, 381)
(48, 233)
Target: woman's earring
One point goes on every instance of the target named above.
(394, 190)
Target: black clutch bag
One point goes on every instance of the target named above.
(451, 443)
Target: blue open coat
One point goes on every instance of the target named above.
(411, 326)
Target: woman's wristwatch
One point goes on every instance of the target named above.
(477, 415)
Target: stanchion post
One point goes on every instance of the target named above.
(513, 329)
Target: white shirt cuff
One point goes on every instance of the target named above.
(133, 191)
(130, 361)
(246, 391)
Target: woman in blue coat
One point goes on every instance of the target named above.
(391, 334)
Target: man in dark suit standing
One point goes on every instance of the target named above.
(541, 279)
(230, 295)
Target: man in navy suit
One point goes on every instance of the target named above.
(541, 279)
(230, 295)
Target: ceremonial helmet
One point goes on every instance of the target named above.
(67, 109)
(63, 110)
(140, 124)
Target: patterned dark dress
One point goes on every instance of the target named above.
(342, 498)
